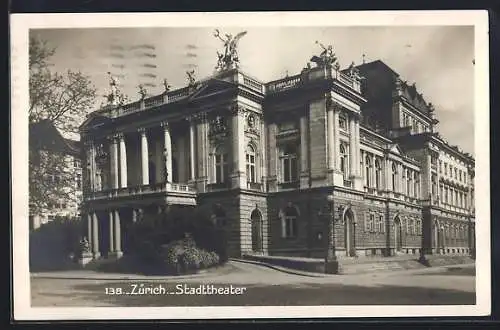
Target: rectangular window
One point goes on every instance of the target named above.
(342, 123)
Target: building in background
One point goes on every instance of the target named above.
(280, 162)
(46, 142)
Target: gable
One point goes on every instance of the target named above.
(210, 88)
(396, 150)
(93, 121)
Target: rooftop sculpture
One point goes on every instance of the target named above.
(229, 58)
(115, 96)
(327, 57)
(191, 78)
(166, 85)
(142, 91)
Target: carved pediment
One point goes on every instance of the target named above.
(209, 88)
(94, 120)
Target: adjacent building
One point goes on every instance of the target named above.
(57, 170)
(278, 162)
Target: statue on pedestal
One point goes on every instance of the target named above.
(115, 96)
(327, 57)
(191, 78)
(229, 58)
(166, 85)
(142, 92)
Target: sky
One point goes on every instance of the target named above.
(437, 58)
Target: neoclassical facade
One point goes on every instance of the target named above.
(279, 162)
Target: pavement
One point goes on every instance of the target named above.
(265, 284)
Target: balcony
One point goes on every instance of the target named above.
(219, 185)
(289, 185)
(314, 74)
(254, 186)
(179, 193)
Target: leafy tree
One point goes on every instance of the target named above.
(61, 100)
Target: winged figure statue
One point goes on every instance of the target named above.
(229, 57)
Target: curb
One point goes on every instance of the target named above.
(118, 277)
(283, 269)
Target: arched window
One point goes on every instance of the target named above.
(394, 177)
(289, 168)
(221, 165)
(378, 174)
(416, 183)
(250, 162)
(289, 222)
(344, 160)
(418, 226)
(368, 171)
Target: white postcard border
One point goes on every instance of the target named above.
(20, 25)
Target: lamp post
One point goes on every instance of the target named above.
(331, 262)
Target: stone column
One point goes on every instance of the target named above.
(429, 178)
(238, 149)
(89, 229)
(95, 236)
(387, 174)
(167, 149)
(272, 159)
(304, 143)
(123, 161)
(118, 240)
(134, 215)
(192, 149)
(111, 233)
(352, 148)
(144, 156)
(114, 162)
(358, 146)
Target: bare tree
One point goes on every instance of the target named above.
(61, 100)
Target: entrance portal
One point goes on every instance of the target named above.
(350, 234)
(398, 234)
(256, 220)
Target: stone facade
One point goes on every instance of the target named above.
(276, 163)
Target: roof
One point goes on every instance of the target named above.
(46, 136)
(408, 91)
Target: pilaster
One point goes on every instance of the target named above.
(238, 147)
(304, 154)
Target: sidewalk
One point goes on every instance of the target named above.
(228, 269)
(95, 275)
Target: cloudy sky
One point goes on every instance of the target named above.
(437, 58)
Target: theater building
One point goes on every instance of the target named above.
(277, 162)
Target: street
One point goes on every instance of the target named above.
(242, 284)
